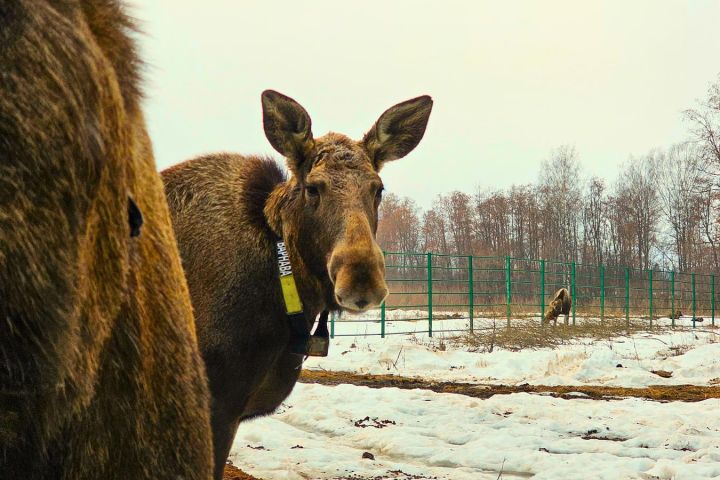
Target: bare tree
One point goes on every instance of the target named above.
(594, 220)
(434, 237)
(457, 209)
(637, 199)
(705, 130)
(679, 175)
(524, 221)
(492, 227)
(399, 224)
(705, 134)
(559, 192)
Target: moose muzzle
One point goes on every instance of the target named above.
(357, 270)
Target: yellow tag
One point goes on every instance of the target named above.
(290, 294)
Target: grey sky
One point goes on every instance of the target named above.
(511, 80)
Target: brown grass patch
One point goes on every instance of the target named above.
(233, 473)
(530, 334)
(662, 393)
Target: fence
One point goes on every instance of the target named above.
(432, 288)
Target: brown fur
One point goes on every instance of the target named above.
(228, 210)
(560, 304)
(100, 375)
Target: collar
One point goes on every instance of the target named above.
(301, 342)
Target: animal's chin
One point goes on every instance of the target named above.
(354, 310)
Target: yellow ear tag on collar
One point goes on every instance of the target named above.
(287, 281)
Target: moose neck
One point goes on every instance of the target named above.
(283, 211)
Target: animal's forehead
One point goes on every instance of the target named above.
(335, 150)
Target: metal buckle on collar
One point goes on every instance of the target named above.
(318, 346)
(319, 343)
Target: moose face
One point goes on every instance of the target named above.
(335, 191)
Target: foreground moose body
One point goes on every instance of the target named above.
(229, 210)
(100, 375)
(560, 304)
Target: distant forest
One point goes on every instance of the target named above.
(662, 212)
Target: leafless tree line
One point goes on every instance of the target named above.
(663, 211)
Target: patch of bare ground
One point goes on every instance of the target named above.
(392, 474)
(531, 334)
(660, 393)
(233, 473)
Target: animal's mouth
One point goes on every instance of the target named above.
(354, 310)
(358, 306)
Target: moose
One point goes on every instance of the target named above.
(230, 211)
(560, 304)
(100, 373)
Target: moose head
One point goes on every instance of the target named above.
(329, 207)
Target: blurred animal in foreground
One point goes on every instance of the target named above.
(100, 374)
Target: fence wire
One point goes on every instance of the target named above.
(428, 287)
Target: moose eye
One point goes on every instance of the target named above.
(312, 190)
(378, 193)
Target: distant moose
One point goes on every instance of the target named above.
(560, 304)
(100, 373)
(229, 212)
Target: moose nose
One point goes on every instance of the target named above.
(361, 303)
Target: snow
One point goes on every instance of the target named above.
(321, 432)
(456, 437)
(692, 355)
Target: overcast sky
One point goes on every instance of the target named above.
(511, 80)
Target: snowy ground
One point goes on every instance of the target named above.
(322, 432)
(692, 355)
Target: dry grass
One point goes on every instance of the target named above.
(233, 473)
(414, 295)
(662, 393)
(530, 334)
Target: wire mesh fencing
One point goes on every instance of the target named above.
(432, 293)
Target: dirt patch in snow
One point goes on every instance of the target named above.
(661, 393)
(234, 473)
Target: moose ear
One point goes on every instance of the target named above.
(398, 130)
(287, 127)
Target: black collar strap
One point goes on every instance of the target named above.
(301, 342)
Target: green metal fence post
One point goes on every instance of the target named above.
(542, 289)
(650, 296)
(627, 296)
(672, 297)
(712, 298)
(602, 293)
(573, 289)
(430, 294)
(692, 279)
(382, 319)
(382, 314)
(332, 325)
(471, 293)
(508, 289)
